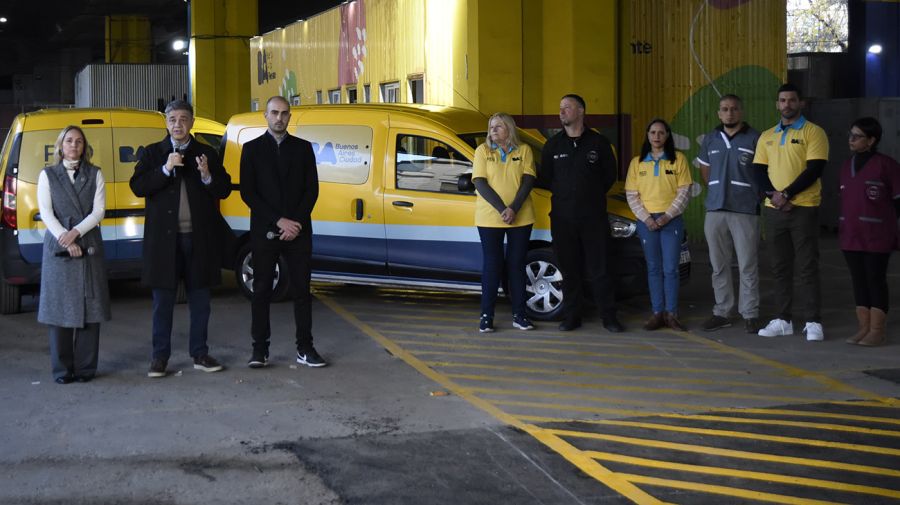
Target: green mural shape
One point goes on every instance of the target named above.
(288, 85)
(756, 86)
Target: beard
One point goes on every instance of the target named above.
(731, 125)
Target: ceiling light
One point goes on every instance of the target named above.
(3, 20)
(875, 49)
(178, 44)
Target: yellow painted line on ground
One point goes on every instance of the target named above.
(873, 449)
(375, 318)
(537, 350)
(874, 404)
(745, 474)
(729, 453)
(635, 389)
(573, 408)
(597, 399)
(830, 383)
(566, 450)
(810, 413)
(724, 490)
(779, 422)
(569, 373)
(530, 339)
(592, 364)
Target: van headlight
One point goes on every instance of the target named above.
(619, 227)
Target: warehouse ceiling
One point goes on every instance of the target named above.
(71, 32)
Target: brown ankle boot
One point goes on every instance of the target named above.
(656, 321)
(862, 316)
(876, 335)
(673, 322)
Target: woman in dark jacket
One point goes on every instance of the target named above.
(74, 293)
(870, 204)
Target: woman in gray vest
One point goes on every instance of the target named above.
(74, 293)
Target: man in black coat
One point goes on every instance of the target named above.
(280, 184)
(182, 181)
(579, 167)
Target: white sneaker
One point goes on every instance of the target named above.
(814, 332)
(777, 328)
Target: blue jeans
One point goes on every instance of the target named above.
(164, 306)
(662, 250)
(492, 266)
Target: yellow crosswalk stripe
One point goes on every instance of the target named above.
(724, 490)
(779, 422)
(745, 474)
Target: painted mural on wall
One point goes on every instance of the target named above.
(353, 51)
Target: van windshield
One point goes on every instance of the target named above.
(476, 139)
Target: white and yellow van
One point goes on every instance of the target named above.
(117, 137)
(396, 204)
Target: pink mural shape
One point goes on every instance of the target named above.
(352, 55)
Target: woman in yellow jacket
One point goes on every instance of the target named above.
(657, 188)
(503, 176)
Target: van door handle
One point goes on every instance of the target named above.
(359, 209)
(401, 203)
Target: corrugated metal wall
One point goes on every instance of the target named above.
(138, 86)
(679, 56)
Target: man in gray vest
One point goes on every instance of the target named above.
(732, 214)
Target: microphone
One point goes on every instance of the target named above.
(271, 235)
(87, 252)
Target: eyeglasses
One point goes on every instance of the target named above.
(856, 136)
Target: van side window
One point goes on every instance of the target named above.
(426, 164)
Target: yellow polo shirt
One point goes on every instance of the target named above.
(786, 151)
(657, 181)
(504, 177)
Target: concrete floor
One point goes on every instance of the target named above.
(417, 407)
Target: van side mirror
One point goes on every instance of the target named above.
(464, 184)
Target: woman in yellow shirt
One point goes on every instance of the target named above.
(503, 176)
(657, 189)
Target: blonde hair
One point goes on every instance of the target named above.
(510, 127)
(57, 147)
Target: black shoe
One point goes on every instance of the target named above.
(521, 322)
(612, 324)
(84, 378)
(716, 322)
(753, 325)
(207, 363)
(158, 368)
(486, 324)
(310, 358)
(259, 359)
(570, 324)
(65, 379)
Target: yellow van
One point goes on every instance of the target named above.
(117, 137)
(396, 204)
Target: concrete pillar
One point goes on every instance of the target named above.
(219, 56)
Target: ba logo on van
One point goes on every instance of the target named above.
(335, 153)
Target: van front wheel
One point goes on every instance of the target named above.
(543, 285)
(243, 273)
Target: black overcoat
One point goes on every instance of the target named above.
(162, 194)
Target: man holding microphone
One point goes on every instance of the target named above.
(182, 181)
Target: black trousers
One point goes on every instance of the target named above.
(794, 244)
(868, 271)
(581, 247)
(297, 254)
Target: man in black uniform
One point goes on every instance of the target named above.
(579, 167)
(280, 184)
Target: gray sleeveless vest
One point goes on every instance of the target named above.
(74, 291)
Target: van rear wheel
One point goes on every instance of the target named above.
(243, 273)
(543, 285)
(10, 298)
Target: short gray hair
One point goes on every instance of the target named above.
(179, 105)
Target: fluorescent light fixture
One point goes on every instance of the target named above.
(179, 44)
(3, 19)
(875, 49)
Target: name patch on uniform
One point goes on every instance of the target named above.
(714, 151)
(670, 172)
(873, 192)
(797, 141)
(593, 156)
(558, 156)
(642, 173)
(517, 159)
